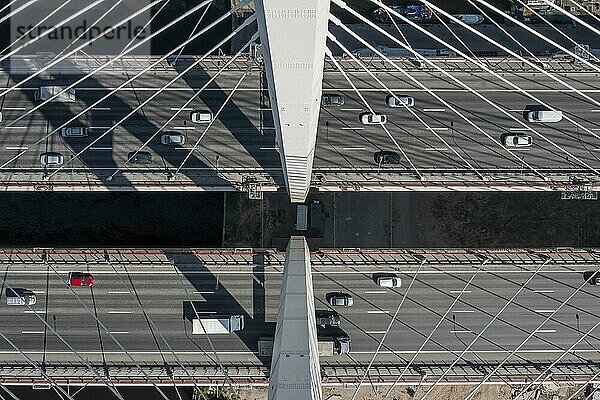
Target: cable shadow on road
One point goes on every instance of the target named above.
(213, 295)
(106, 156)
(257, 141)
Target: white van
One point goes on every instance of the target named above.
(20, 297)
(544, 116)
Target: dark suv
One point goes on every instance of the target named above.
(142, 157)
(327, 318)
(387, 157)
(332, 100)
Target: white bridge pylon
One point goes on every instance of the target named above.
(295, 372)
(293, 35)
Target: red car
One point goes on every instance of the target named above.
(80, 279)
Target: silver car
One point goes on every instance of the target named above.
(51, 159)
(340, 300)
(172, 139)
(517, 140)
(74, 131)
(399, 101)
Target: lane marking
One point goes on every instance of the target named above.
(434, 109)
(99, 127)
(39, 291)
(182, 109)
(351, 109)
(516, 110)
(117, 292)
(439, 129)
(15, 127)
(375, 332)
(544, 311)
(378, 311)
(461, 331)
(353, 129)
(270, 148)
(543, 291)
(32, 332)
(354, 148)
(118, 312)
(375, 291)
(264, 109)
(119, 332)
(596, 129)
(34, 312)
(100, 109)
(100, 148)
(518, 129)
(436, 149)
(460, 291)
(594, 110)
(15, 108)
(203, 292)
(545, 331)
(463, 311)
(17, 147)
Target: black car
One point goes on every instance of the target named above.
(142, 157)
(327, 318)
(592, 277)
(387, 157)
(332, 100)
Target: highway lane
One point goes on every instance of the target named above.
(165, 295)
(432, 136)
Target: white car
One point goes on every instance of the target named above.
(51, 159)
(201, 117)
(544, 116)
(517, 140)
(469, 19)
(172, 138)
(373, 119)
(389, 281)
(399, 101)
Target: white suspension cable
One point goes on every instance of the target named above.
(497, 25)
(499, 365)
(128, 81)
(427, 126)
(229, 96)
(496, 106)
(85, 362)
(96, 22)
(509, 302)
(432, 93)
(441, 320)
(66, 2)
(153, 326)
(194, 30)
(47, 32)
(527, 28)
(389, 327)
(51, 381)
(194, 96)
(107, 332)
(364, 100)
(178, 76)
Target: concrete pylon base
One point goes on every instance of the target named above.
(295, 373)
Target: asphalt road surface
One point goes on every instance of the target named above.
(146, 311)
(457, 131)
